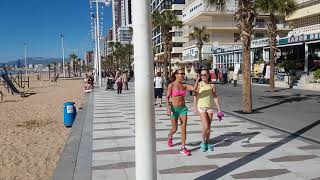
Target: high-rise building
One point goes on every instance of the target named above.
(88, 57)
(110, 34)
(126, 18)
(124, 32)
(116, 17)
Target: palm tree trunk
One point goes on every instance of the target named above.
(165, 70)
(246, 74)
(200, 56)
(272, 30)
(169, 59)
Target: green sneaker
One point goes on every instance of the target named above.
(203, 147)
(210, 147)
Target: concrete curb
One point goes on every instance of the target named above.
(68, 160)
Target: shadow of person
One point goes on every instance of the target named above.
(225, 139)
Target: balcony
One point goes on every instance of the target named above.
(179, 39)
(177, 50)
(199, 7)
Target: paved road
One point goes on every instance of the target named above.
(243, 150)
(287, 109)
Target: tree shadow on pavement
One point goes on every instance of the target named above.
(226, 139)
(279, 90)
(283, 99)
(220, 172)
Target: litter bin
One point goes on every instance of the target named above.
(70, 112)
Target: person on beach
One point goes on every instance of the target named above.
(158, 88)
(87, 85)
(177, 108)
(119, 83)
(204, 100)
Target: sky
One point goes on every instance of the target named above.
(39, 23)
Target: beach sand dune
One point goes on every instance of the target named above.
(32, 133)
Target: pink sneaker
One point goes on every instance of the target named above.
(185, 151)
(170, 142)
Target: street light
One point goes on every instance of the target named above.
(98, 44)
(25, 58)
(62, 48)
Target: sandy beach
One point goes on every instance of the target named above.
(32, 133)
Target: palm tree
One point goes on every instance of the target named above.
(220, 4)
(73, 57)
(128, 49)
(68, 67)
(166, 21)
(246, 14)
(274, 7)
(200, 35)
(112, 46)
(49, 68)
(118, 54)
(55, 68)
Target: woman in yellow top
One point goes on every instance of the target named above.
(204, 100)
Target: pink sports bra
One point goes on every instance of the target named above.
(176, 93)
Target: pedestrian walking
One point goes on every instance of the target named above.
(224, 72)
(158, 88)
(119, 83)
(204, 100)
(216, 73)
(177, 109)
(125, 79)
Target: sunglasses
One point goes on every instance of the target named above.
(203, 74)
(181, 74)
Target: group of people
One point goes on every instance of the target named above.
(88, 83)
(204, 100)
(120, 79)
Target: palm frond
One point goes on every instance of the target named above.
(287, 7)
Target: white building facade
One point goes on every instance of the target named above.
(221, 27)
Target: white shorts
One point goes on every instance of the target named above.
(205, 109)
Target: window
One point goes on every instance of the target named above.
(260, 23)
(258, 35)
(177, 34)
(175, 44)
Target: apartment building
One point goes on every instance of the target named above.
(116, 18)
(176, 55)
(221, 27)
(124, 34)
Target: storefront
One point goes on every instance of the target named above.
(303, 49)
(228, 56)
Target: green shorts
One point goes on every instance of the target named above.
(178, 111)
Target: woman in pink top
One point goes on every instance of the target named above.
(177, 108)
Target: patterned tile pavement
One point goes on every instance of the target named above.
(243, 150)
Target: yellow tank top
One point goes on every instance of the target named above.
(205, 98)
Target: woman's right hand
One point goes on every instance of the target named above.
(168, 111)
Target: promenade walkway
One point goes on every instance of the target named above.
(243, 150)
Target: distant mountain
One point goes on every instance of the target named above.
(35, 60)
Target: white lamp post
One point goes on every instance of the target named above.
(98, 44)
(25, 59)
(62, 47)
(145, 144)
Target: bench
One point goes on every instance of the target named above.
(259, 80)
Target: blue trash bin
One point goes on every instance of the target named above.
(70, 113)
